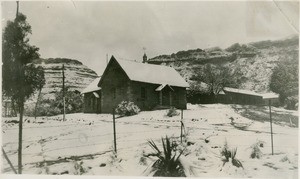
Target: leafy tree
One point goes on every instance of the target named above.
(218, 77)
(73, 101)
(284, 80)
(20, 79)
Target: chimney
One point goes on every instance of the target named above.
(145, 58)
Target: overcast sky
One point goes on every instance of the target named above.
(87, 31)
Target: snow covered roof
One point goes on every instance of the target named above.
(270, 96)
(150, 73)
(235, 90)
(92, 86)
(248, 92)
(162, 87)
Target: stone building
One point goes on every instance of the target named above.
(148, 86)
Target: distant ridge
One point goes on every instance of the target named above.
(255, 60)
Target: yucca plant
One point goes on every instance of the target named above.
(235, 161)
(230, 154)
(168, 163)
(226, 152)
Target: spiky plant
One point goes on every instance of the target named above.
(226, 152)
(168, 163)
(235, 161)
(230, 154)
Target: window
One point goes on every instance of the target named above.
(143, 93)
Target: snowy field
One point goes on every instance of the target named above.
(85, 141)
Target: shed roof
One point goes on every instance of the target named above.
(270, 96)
(92, 86)
(150, 73)
(242, 91)
(248, 92)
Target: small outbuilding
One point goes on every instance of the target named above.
(92, 97)
(241, 96)
(147, 85)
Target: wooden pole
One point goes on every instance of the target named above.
(9, 162)
(20, 139)
(63, 88)
(114, 128)
(181, 125)
(21, 101)
(271, 126)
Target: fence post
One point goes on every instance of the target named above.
(271, 126)
(114, 127)
(9, 162)
(181, 125)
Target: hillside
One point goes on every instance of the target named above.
(254, 60)
(77, 75)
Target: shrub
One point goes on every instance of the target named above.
(256, 152)
(78, 168)
(51, 107)
(127, 108)
(284, 81)
(172, 112)
(290, 102)
(285, 159)
(143, 159)
(168, 163)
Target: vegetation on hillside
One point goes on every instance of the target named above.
(57, 60)
(51, 107)
(255, 63)
(284, 81)
(216, 77)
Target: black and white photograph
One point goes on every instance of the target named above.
(150, 89)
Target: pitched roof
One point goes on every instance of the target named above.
(92, 86)
(150, 73)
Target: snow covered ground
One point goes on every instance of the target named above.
(85, 142)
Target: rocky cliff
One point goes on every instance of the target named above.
(255, 60)
(77, 75)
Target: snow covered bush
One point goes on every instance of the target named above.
(78, 168)
(143, 159)
(127, 108)
(256, 152)
(114, 162)
(172, 112)
(168, 163)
